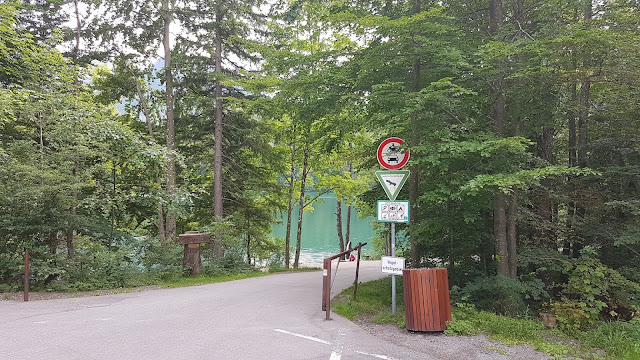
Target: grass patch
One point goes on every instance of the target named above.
(620, 340)
(374, 301)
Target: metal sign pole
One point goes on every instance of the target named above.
(393, 277)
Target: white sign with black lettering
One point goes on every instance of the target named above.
(392, 265)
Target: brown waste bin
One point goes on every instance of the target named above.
(426, 299)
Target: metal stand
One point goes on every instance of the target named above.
(393, 277)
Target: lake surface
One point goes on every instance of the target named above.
(320, 232)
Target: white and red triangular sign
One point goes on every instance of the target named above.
(392, 181)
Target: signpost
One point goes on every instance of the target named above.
(393, 156)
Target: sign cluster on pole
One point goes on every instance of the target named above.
(393, 156)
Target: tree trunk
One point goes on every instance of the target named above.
(72, 213)
(347, 238)
(218, 210)
(545, 207)
(147, 116)
(303, 181)
(415, 171)
(339, 226)
(498, 115)
(292, 181)
(583, 116)
(171, 231)
(248, 243)
(512, 235)
(347, 235)
(500, 233)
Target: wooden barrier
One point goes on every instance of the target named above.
(426, 299)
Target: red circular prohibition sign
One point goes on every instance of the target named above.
(388, 160)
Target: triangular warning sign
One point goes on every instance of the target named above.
(392, 181)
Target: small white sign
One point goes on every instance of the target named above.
(392, 265)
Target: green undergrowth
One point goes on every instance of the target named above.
(373, 302)
(604, 341)
(512, 331)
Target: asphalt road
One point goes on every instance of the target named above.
(272, 317)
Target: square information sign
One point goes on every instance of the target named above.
(393, 211)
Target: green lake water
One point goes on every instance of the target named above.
(319, 230)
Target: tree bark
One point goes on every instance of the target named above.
(339, 226)
(171, 231)
(512, 235)
(248, 242)
(292, 181)
(303, 180)
(347, 238)
(218, 210)
(498, 115)
(500, 233)
(347, 235)
(147, 116)
(415, 171)
(545, 207)
(582, 160)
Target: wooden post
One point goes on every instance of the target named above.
(324, 284)
(326, 275)
(26, 275)
(355, 286)
(327, 294)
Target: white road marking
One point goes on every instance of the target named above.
(336, 353)
(383, 357)
(303, 336)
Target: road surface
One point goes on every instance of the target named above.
(272, 317)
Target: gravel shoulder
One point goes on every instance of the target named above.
(450, 347)
(51, 295)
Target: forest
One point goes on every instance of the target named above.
(124, 123)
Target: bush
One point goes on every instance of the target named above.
(161, 262)
(504, 295)
(601, 291)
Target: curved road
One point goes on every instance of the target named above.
(272, 317)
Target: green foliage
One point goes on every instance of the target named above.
(163, 262)
(619, 339)
(504, 295)
(594, 291)
(469, 321)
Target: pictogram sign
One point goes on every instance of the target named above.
(392, 155)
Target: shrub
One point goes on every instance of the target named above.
(504, 295)
(599, 290)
